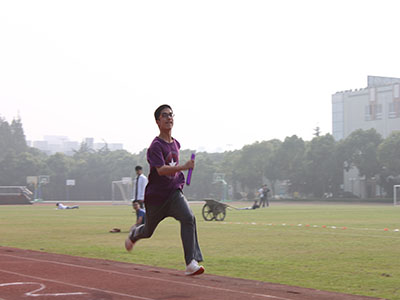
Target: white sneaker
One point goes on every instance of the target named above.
(194, 269)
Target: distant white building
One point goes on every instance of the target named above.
(41, 145)
(110, 146)
(89, 142)
(53, 144)
(70, 146)
(376, 106)
(55, 139)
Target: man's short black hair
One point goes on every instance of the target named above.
(137, 168)
(158, 111)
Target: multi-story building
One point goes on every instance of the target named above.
(54, 144)
(110, 146)
(376, 106)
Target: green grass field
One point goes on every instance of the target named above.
(361, 259)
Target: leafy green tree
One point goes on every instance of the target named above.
(83, 152)
(292, 161)
(18, 136)
(141, 160)
(313, 167)
(230, 166)
(97, 182)
(323, 171)
(14, 168)
(273, 170)
(8, 175)
(120, 163)
(202, 178)
(252, 163)
(59, 166)
(317, 131)
(389, 158)
(5, 138)
(94, 171)
(360, 150)
(389, 153)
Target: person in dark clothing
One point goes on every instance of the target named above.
(163, 195)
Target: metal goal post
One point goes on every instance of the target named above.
(121, 191)
(395, 187)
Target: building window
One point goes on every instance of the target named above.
(378, 111)
(372, 95)
(367, 113)
(394, 110)
(338, 119)
(396, 91)
(373, 112)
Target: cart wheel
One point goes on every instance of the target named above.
(220, 216)
(208, 214)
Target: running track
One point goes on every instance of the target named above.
(26, 274)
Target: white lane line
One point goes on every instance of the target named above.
(41, 288)
(76, 285)
(385, 230)
(150, 278)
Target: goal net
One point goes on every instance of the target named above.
(396, 194)
(121, 191)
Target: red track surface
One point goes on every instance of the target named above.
(25, 274)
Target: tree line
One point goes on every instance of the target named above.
(309, 168)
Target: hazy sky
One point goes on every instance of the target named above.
(235, 72)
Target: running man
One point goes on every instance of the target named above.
(163, 196)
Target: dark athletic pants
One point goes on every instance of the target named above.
(264, 200)
(177, 207)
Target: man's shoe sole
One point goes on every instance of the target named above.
(129, 245)
(198, 272)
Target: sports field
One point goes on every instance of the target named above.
(352, 249)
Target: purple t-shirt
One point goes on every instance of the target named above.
(159, 188)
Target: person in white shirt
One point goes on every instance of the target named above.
(263, 194)
(62, 206)
(139, 186)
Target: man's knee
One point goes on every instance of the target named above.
(188, 218)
